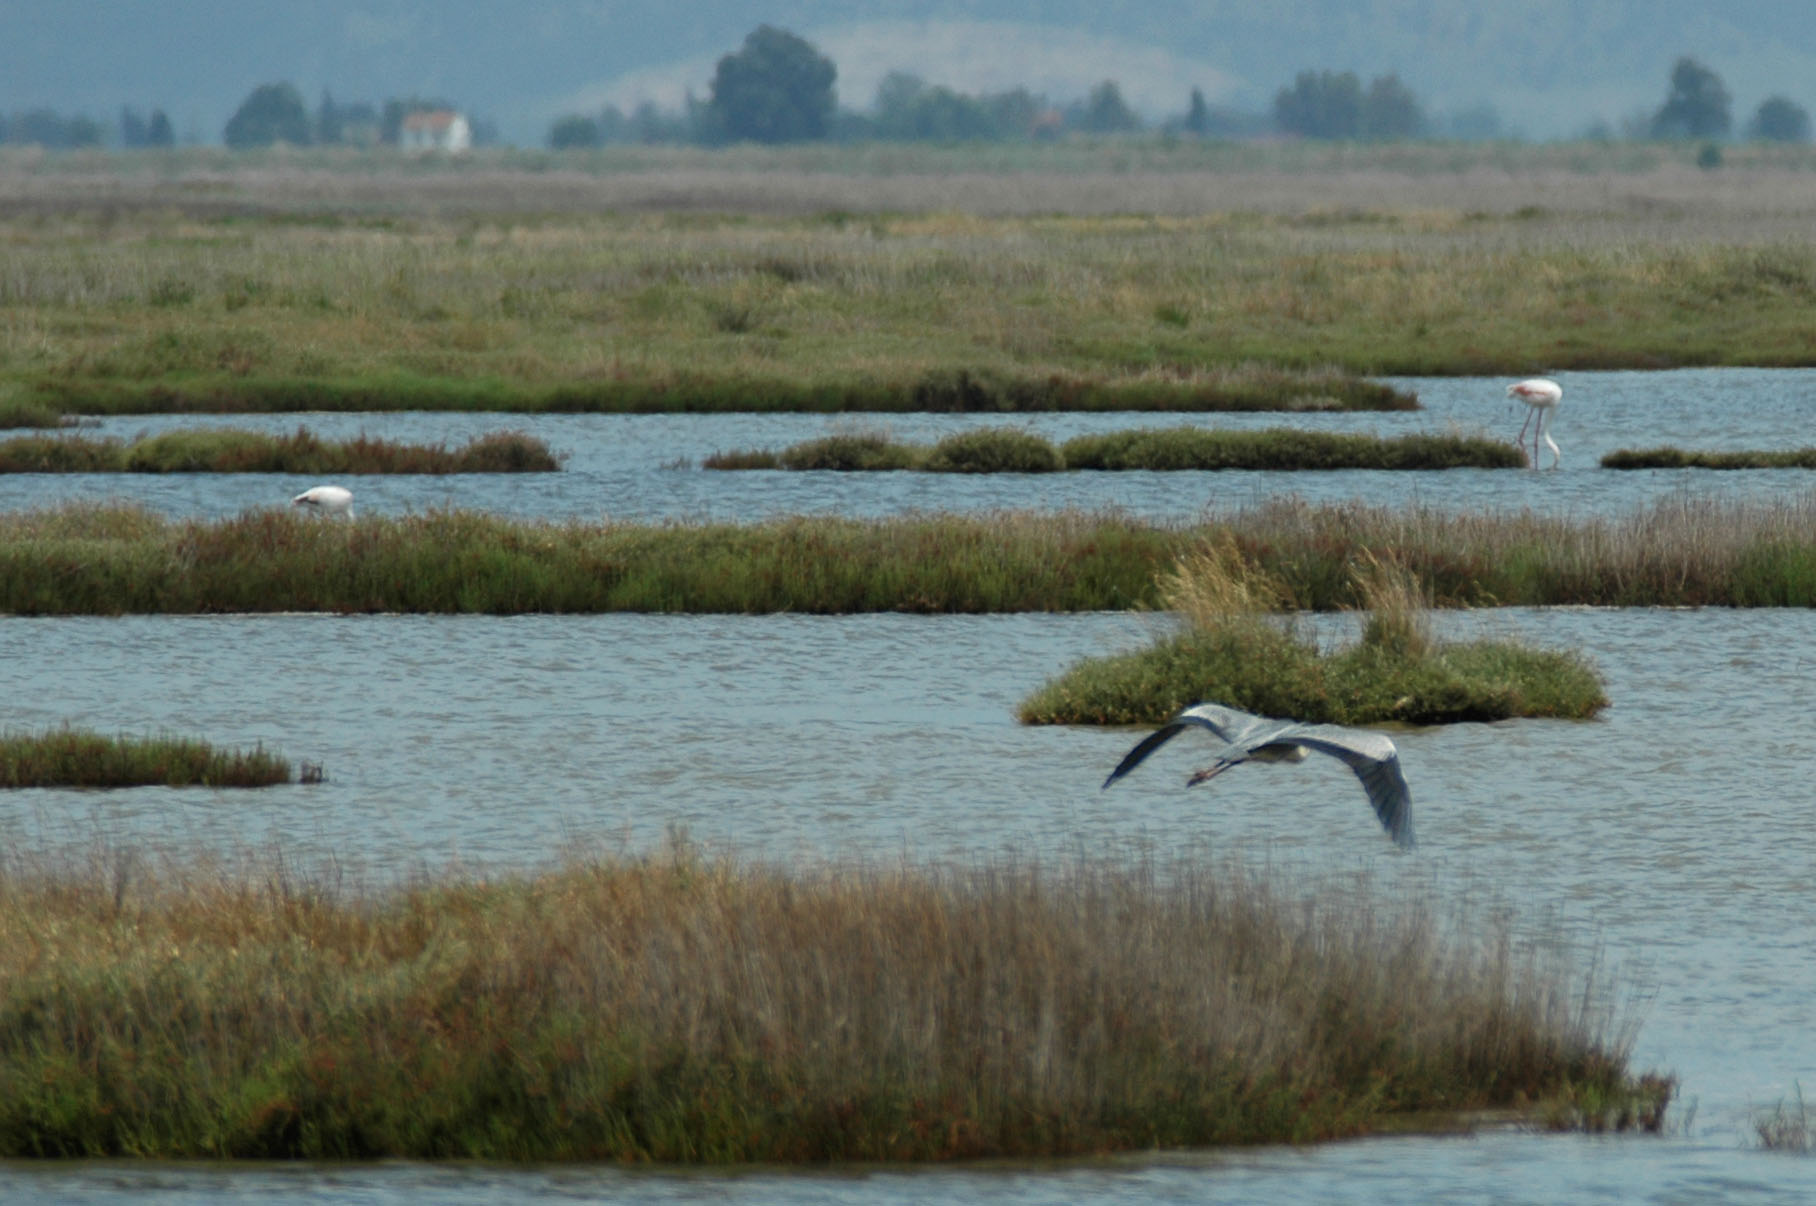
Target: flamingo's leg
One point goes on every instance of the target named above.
(1550, 443)
(1533, 461)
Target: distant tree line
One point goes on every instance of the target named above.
(1334, 105)
(57, 132)
(274, 113)
(779, 88)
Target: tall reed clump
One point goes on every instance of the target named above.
(69, 757)
(227, 451)
(1002, 450)
(678, 1009)
(1231, 650)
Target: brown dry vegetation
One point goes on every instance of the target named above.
(679, 1009)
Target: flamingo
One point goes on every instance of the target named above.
(331, 499)
(1541, 395)
(1265, 739)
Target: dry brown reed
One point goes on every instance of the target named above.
(679, 1008)
(1399, 618)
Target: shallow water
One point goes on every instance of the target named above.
(1674, 835)
(623, 465)
(1672, 838)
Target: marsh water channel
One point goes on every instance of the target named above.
(1671, 842)
(645, 467)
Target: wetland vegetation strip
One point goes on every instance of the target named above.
(223, 307)
(1680, 458)
(68, 757)
(683, 388)
(1008, 450)
(111, 560)
(1232, 650)
(17, 414)
(214, 450)
(677, 1008)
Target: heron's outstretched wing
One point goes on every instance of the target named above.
(1229, 724)
(1149, 744)
(1376, 762)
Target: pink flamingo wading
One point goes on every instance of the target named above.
(1541, 396)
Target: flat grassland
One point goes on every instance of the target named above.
(1106, 275)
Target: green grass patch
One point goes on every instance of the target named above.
(677, 1009)
(681, 388)
(1006, 450)
(1680, 458)
(112, 561)
(1284, 448)
(1231, 651)
(15, 413)
(224, 451)
(69, 757)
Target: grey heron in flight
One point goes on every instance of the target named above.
(1265, 739)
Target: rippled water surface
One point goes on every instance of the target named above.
(626, 465)
(1676, 835)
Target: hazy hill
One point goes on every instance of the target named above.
(1549, 67)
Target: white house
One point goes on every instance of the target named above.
(436, 130)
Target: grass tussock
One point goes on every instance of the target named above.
(1788, 1127)
(1230, 649)
(678, 1009)
(1680, 458)
(1006, 450)
(69, 757)
(226, 451)
(87, 559)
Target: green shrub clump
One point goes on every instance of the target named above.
(74, 758)
(1231, 651)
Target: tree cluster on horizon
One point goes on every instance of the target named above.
(778, 88)
(274, 113)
